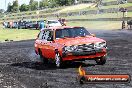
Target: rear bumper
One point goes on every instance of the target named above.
(87, 55)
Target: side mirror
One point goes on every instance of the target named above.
(93, 35)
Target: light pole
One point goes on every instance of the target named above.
(5, 4)
(37, 12)
(18, 6)
(38, 3)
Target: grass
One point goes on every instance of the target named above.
(109, 0)
(94, 8)
(76, 7)
(80, 7)
(129, 14)
(103, 25)
(25, 34)
(96, 16)
(90, 16)
(17, 35)
(116, 6)
(49, 10)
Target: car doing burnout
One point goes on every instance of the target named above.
(62, 44)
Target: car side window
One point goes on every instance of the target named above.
(45, 35)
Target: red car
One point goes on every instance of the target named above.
(63, 44)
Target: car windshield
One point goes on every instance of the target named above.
(72, 32)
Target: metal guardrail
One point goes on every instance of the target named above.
(110, 3)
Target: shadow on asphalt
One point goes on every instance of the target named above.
(50, 66)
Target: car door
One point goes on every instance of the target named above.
(39, 41)
(46, 45)
(51, 45)
(48, 48)
(43, 43)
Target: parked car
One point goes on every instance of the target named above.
(52, 23)
(32, 24)
(28, 24)
(15, 25)
(63, 44)
(22, 25)
(7, 25)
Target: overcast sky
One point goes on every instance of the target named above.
(2, 3)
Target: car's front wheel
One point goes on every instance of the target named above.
(43, 60)
(58, 60)
(101, 60)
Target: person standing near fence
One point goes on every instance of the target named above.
(129, 24)
(11, 24)
(42, 26)
(63, 22)
(4, 25)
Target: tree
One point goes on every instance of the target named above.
(65, 2)
(70, 2)
(44, 3)
(31, 2)
(9, 8)
(99, 2)
(2, 10)
(24, 7)
(52, 3)
(15, 7)
(33, 5)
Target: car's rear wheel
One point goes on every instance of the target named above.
(43, 60)
(101, 60)
(58, 60)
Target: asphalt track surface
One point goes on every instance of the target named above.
(19, 70)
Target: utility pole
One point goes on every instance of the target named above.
(38, 4)
(18, 6)
(38, 10)
(5, 5)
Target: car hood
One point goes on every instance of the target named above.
(78, 40)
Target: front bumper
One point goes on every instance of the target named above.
(93, 52)
(80, 55)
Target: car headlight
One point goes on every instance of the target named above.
(100, 45)
(70, 48)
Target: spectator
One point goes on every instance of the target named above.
(123, 24)
(60, 20)
(129, 24)
(11, 24)
(42, 25)
(63, 22)
(4, 25)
